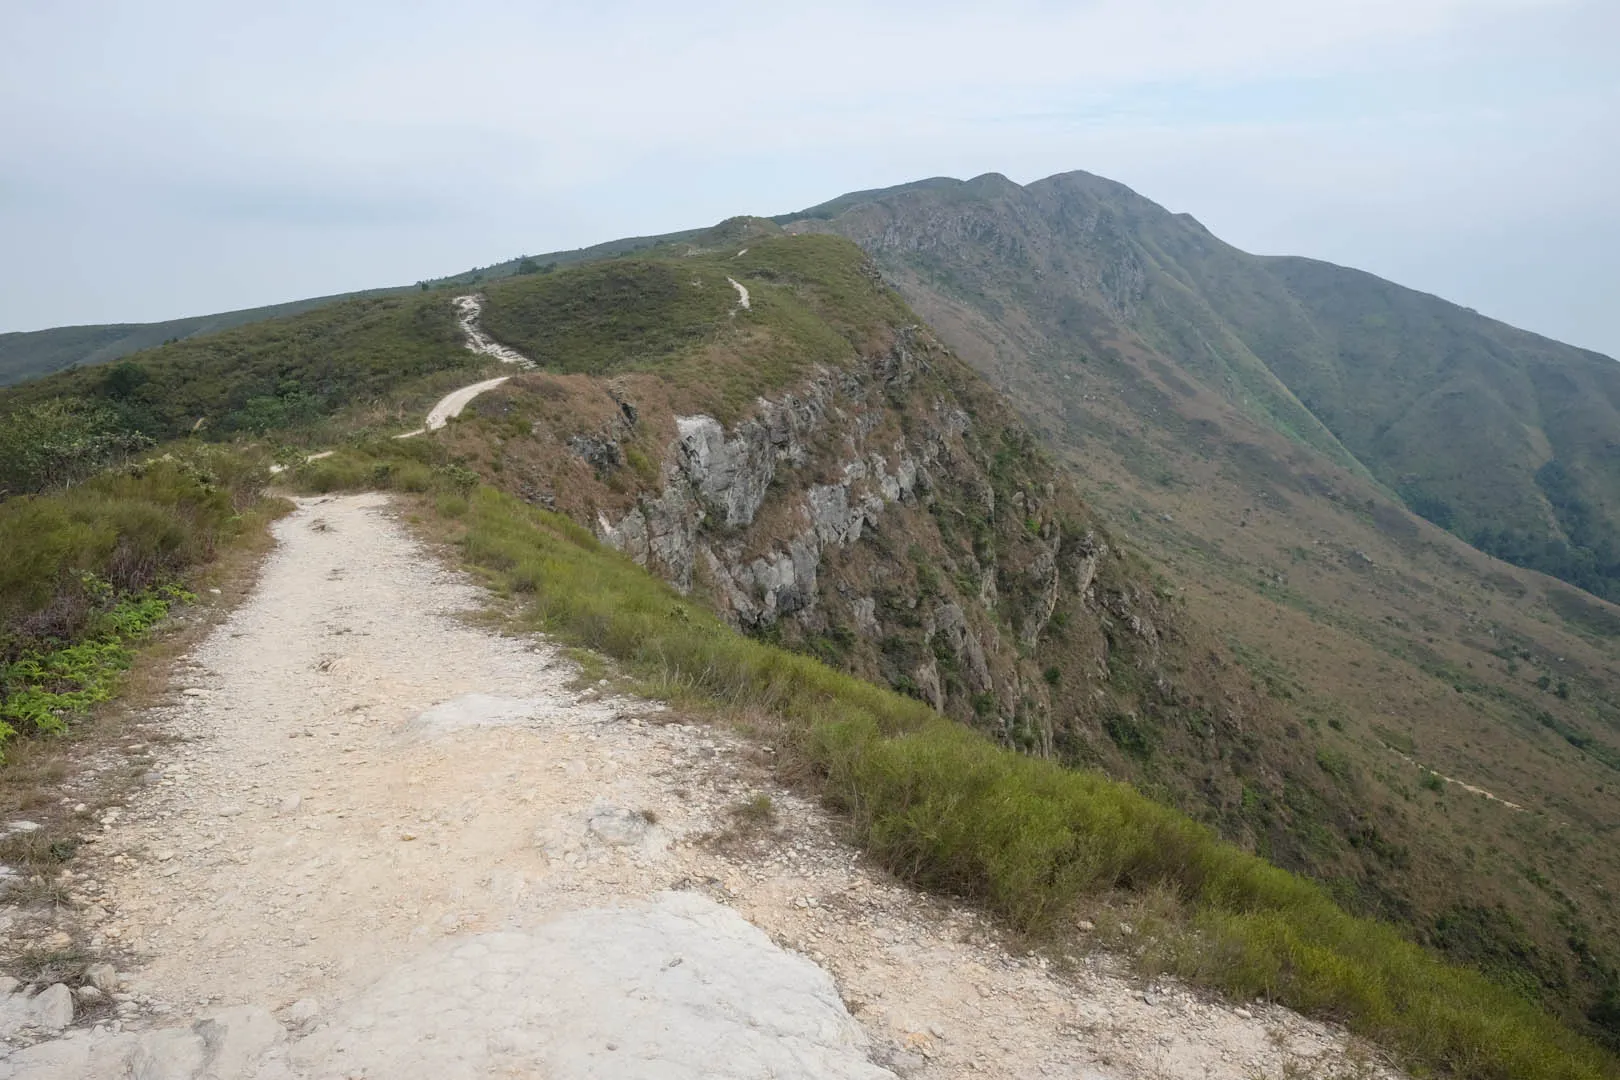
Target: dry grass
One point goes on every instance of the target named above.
(751, 825)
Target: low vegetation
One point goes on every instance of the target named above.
(942, 806)
(279, 375)
(1248, 424)
(89, 569)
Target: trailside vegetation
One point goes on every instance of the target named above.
(89, 569)
(951, 810)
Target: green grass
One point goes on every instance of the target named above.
(608, 316)
(677, 316)
(44, 688)
(1025, 838)
(275, 375)
(89, 569)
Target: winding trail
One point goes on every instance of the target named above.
(470, 310)
(384, 842)
(451, 405)
(742, 290)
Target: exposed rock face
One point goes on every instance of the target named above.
(867, 515)
(715, 484)
(880, 508)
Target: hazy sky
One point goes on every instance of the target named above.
(169, 157)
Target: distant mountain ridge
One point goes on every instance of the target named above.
(30, 354)
(1507, 438)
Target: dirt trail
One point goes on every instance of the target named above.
(392, 844)
(470, 309)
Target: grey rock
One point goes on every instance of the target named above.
(864, 610)
(89, 995)
(168, 1054)
(103, 977)
(234, 1039)
(303, 1011)
(731, 475)
(1042, 574)
(52, 1007)
(488, 1005)
(601, 453)
(617, 826)
(901, 1062)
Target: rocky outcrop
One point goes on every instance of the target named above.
(716, 482)
(869, 516)
(885, 513)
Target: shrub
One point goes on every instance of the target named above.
(53, 444)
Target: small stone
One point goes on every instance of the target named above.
(52, 1007)
(1149, 999)
(236, 1038)
(1243, 1014)
(1085, 926)
(103, 977)
(904, 1062)
(617, 826)
(303, 1011)
(8, 984)
(230, 811)
(89, 995)
(22, 826)
(81, 808)
(290, 804)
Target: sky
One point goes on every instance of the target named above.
(178, 157)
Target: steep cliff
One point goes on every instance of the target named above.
(870, 501)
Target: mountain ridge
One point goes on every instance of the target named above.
(1337, 661)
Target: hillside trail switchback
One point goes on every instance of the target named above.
(388, 843)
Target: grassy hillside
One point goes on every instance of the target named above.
(284, 375)
(1501, 436)
(36, 353)
(1507, 439)
(1146, 351)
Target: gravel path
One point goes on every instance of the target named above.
(389, 843)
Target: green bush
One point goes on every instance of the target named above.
(88, 569)
(43, 687)
(52, 444)
(72, 554)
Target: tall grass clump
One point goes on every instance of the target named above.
(1024, 837)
